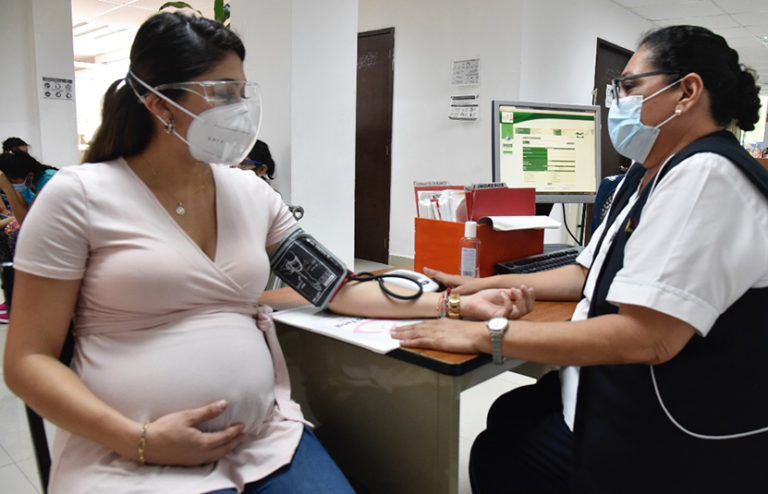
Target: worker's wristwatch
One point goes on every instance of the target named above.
(497, 326)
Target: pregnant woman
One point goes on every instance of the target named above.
(177, 384)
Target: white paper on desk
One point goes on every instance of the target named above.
(372, 334)
(507, 223)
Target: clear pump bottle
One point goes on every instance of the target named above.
(469, 247)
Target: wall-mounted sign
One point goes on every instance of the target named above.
(465, 72)
(464, 107)
(55, 88)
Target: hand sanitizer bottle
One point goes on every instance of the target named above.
(469, 247)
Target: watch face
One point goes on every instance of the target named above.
(498, 323)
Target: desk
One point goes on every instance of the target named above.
(390, 421)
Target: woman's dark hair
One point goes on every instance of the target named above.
(260, 152)
(18, 164)
(12, 144)
(733, 93)
(169, 47)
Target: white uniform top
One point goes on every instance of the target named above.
(702, 243)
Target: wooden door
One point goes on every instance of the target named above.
(373, 167)
(609, 64)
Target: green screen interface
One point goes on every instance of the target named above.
(551, 150)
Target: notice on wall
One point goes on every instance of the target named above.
(55, 88)
(465, 72)
(464, 107)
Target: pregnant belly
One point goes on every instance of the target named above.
(150, 373)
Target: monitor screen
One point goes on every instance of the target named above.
(554, 148)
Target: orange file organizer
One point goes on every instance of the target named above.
(437, 245)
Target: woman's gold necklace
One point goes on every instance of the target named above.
(179, 205)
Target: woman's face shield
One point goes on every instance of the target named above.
(219, 93)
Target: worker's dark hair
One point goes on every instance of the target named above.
(732, 88)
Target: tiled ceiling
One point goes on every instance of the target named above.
(743, 23)
(104, 29)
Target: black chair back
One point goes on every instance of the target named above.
(36, 424)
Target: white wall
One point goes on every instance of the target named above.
(36, 41)
(265, 28)
(559, 46)
(17, 77)
(301, 54)
(538, 50)
(304, 54)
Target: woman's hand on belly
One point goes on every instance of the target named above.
(174, 439)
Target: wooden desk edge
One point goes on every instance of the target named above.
(286, 298)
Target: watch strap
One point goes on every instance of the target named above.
(496, 336)
(497, 326)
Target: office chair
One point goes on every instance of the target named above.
(35, 421)
(604, 198)
(37, 425)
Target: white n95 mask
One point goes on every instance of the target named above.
(222, 134)
(226, 132)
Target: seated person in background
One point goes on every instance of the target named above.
(178, 383)
(22, 177)
(260, 161)
(670, 331)
(13, 144)
(9, 229)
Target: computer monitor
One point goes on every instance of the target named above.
(554, 148)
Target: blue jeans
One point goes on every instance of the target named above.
(311, 471)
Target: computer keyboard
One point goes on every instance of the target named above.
(539, 262)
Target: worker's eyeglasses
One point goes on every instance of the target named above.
(624, 84)
(217, 92)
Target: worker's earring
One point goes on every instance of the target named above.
(170, 126)
(678, 111)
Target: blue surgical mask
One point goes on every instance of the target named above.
(629, 135)
(20, 188)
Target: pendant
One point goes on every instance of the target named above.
(180, 210)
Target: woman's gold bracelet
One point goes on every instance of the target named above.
(143, 442)
(454, 306)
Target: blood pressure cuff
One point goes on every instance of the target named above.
(308, 267)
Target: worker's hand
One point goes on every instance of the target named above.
(448, 335)
(512, 303)
(173, 439)
(458, 284)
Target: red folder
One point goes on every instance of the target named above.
(502, 202)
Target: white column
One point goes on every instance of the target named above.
(304, 55)
(36, 41)
(53, 58)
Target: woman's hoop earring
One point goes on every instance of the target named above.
(170, 126)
